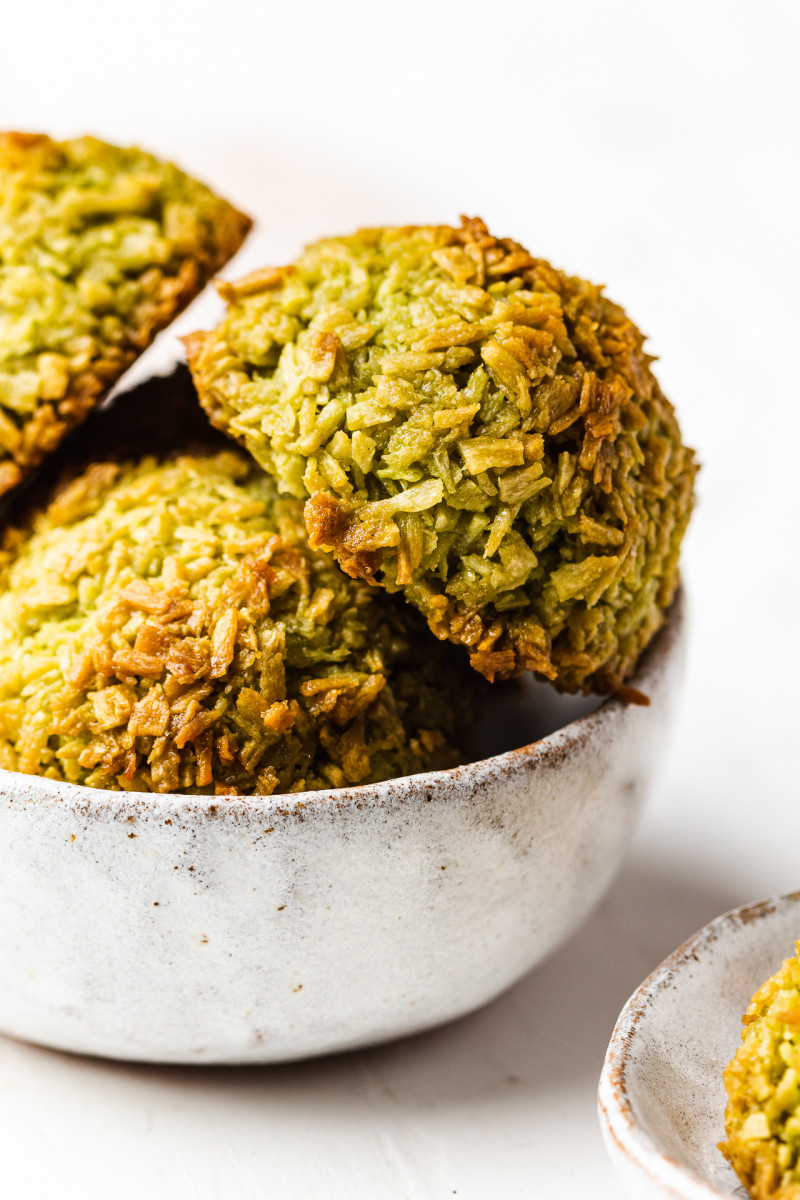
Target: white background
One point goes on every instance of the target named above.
(653, 146)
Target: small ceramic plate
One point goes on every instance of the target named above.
(661, 1096)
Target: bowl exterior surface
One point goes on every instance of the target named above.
(661, 1098)
(260, 929)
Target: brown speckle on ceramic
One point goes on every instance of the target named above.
(259, 929)
(661, 1097)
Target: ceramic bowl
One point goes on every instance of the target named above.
(661, 1098)
(259, 929)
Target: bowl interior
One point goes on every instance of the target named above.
(662, 1088)
(523, 711)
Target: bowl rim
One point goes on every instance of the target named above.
(547, 751)
(615, 1106)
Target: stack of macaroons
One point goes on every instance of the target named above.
(468, 428)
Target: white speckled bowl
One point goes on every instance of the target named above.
(258, 929)
(661, 1097)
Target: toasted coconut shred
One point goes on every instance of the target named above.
(164, 627)
(469, 426)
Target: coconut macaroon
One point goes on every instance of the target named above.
(164, 627)
(471, 426)
(762, 1117)
(100, 247)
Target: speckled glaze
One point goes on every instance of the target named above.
(661, 1098)
(261, 929)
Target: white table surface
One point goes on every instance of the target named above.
(653, 146)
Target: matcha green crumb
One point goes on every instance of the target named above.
(165, 627)
(472, 427)
(100, 247)
(762, 1116)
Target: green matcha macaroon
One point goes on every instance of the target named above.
(471, 427)
(164, 627)
(762, 1117)
(100, 247)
